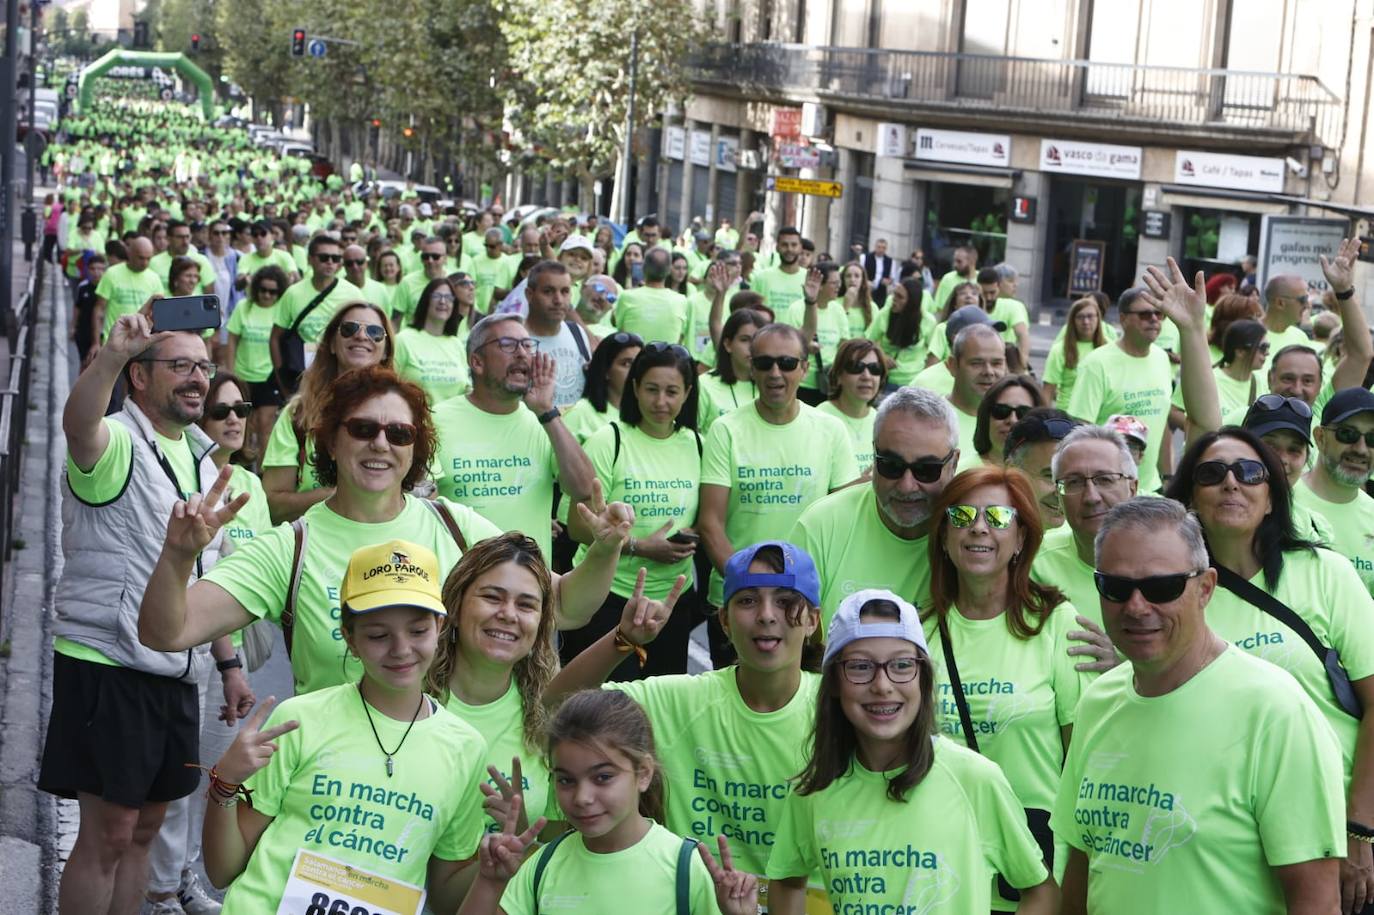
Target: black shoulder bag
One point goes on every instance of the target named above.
(1037, 820)
(1265, 602)
(293, 346)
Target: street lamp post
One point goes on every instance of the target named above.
(623, 216)
(7, 120)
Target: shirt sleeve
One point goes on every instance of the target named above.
(282, 449)
(1297, 766)
(475, 527)
(1054, 365)
(1351, 609)
(518, 897)
(794, 851)
(600, 449)
(258, 575)
(236, 321)
(1066, 801)
(1066, 680)
(107, 477)
(844, 467)
(1087, 392)
(716, 457)
(464, 830)
(1008, 845)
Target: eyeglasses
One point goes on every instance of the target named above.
(185, 367)
(365, 430)
(329, 258)
(375, 332)
(511, 344)
(677, 349)
(431, 256)
(624, 338)
(268, 290)
(1156, 589)
(441, 297)
(858, 368)
(1263, 347)
(355, 262)
(466, 284)
(862, 670)
(998, 517)
(1072, 486)
(766, 363)
(926, 470)
(1144, 314)
(221, 411)
(1003, 410)
(1349, 435)
(1247, 472)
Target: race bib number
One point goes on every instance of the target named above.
(322, 886)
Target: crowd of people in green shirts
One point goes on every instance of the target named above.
(489, 479)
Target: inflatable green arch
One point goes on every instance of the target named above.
(171, 60)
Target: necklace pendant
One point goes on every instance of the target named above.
(389, 766)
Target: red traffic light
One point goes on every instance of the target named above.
(298, 43)
(376, 122)
(195, 41)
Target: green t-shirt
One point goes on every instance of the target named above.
(252, 324)
(652, 313)
(1060, 375)
(254, 517)
(283, 450)
(125, 292)
(259, 577)
(437, 364)
(1111, 381)
(937, 378)
(583, 420)
(832, 326)
(379, 294)
(162, 265)
(1351, 525)
(1231, 394)
(326, 791)
(854, 550)
(945, 288)
(661, 480)
(1057, 563)
(1010, 312)
(779, 289)
(1290, 337)
(502, 465)
(968, 454)
(1324, 588)
(909, 360)
(299, 295)
(1019, 692)
(726, 765)
(581, 882)
(699, 342)
(1185, 802)
(715, 398)
(773, 472)
(405, 297)
(860, 432)
(490, 274)
(502, 726)
(934, 853)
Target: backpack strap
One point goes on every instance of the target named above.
(446, 516)
(683, 879)
(697, 435)
(615, 430)
(288, 612)
(311, 306)
(581, 340)
(960, 700)
(544, 856)
(299, 432)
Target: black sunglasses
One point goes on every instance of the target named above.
(1156, 589)
(1349, 435)
(329, 258)
(355, 262)
(625, 338)
(1270, 402)
(375, 332)
(221, 411)
(1003, 410)
(365, 430)
(766, 363)
(431, 256)
(1036, 429)
(926, 470)
(1248, 472)
(677, 349)
(858, 368)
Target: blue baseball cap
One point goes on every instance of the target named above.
(799, 572)
(1347, 403)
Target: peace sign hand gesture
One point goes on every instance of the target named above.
(252, 746)
(195, 522)
(737, 893)
(643, 619)
(500, 854)
(610, 525)
(500, 798)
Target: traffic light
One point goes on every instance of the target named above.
(407, 132)
(195, 42)
(376, 122)
(298, 43)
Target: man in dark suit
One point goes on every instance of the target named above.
(881, 271)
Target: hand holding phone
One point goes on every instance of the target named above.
(187, 312)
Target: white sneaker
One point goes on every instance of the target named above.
(168, 906)
(194, 900)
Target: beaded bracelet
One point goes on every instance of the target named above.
(224, 793)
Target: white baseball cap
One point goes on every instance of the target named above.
(846, 627)
(576, 243)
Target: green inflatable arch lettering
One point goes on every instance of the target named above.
(167, 60)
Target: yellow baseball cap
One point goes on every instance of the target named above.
(392, 574)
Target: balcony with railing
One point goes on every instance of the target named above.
(1277, 109)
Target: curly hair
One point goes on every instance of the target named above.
(533, 672)
(349, 392)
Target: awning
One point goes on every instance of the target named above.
(952, 173)
(1210, 198)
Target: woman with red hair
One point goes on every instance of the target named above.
(1007, 685)
(1220, 285)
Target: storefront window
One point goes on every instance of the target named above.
(1091, 211)
(960, 214)
(1214, 240)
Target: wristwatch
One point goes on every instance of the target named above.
(228, 664)
(1343, 296)
(549, 416)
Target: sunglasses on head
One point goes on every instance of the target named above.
(1247, 472)
(365, 430)
(221, 411)
(1271, 402)
(766, 363)
(998, 517)
(624, 338)
(1003, 410)
(375, 332)
(858, 368)
(1349, 435)
(1156, 589)
(926, 470)
(1039, 430)
(677, 349)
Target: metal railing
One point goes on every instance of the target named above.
(1295, 107)
(14, 406)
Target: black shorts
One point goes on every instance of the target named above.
(123, 735)
(265, 393)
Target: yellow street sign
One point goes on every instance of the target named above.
(787, 185)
